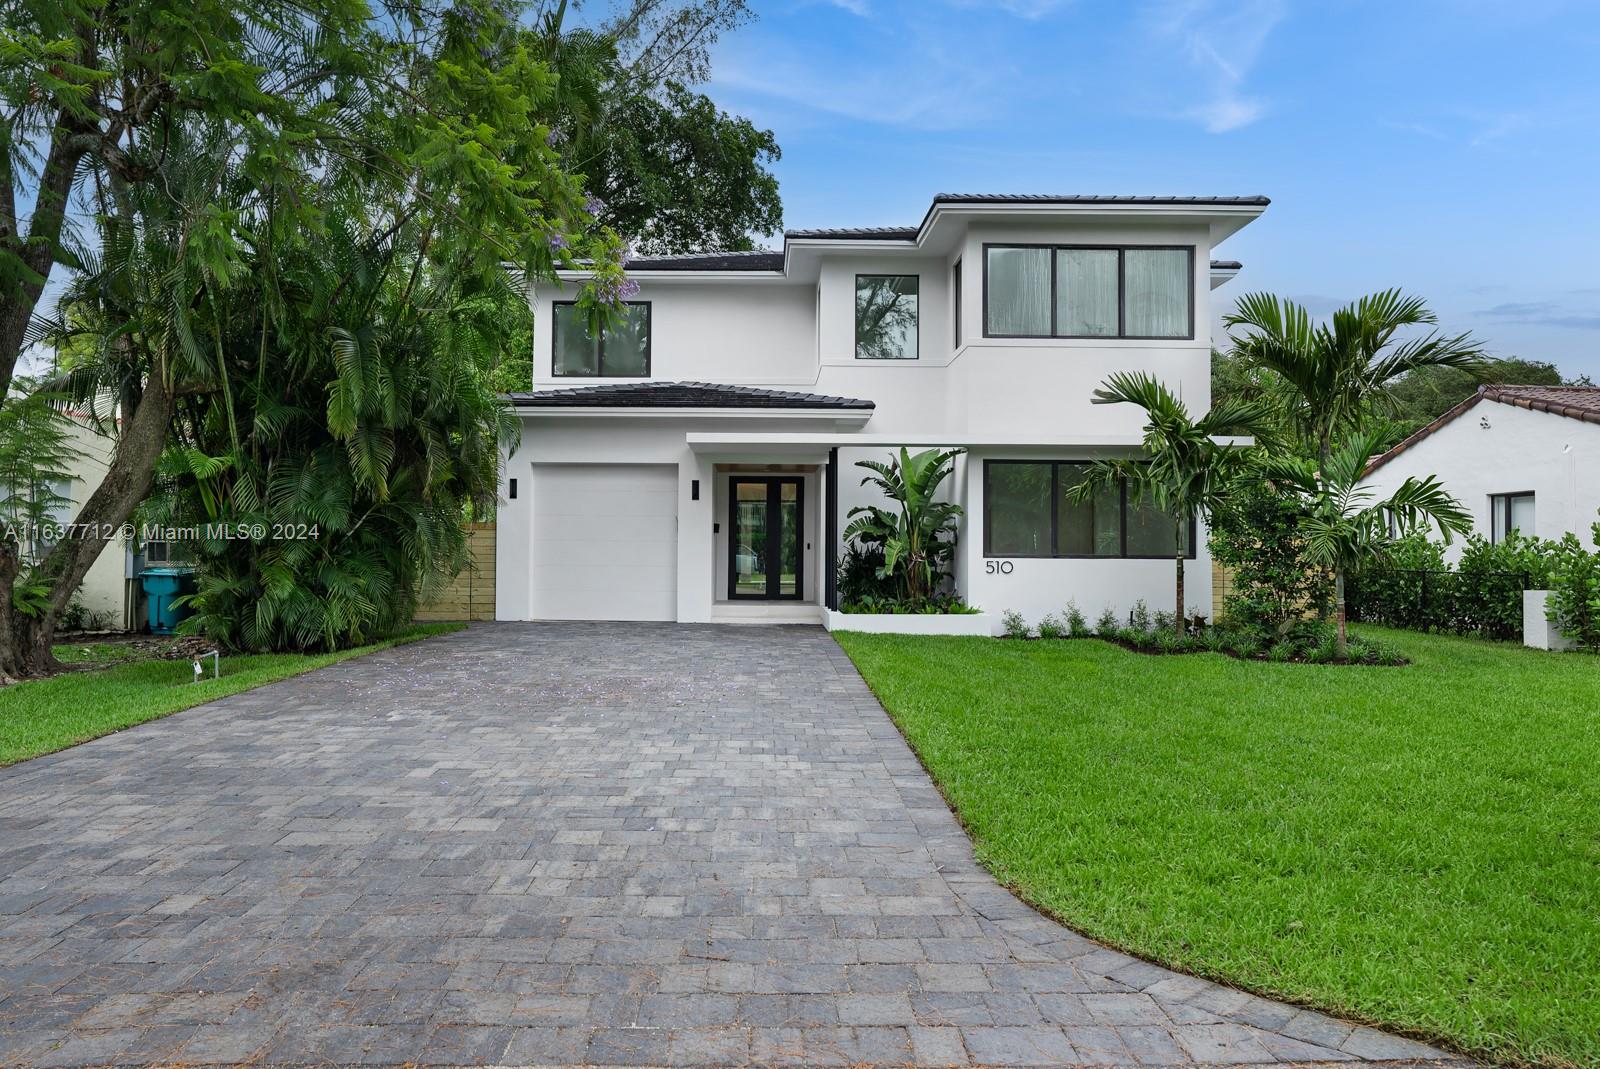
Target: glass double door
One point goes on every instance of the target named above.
(766, 533)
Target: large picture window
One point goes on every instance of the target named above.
(886, 317)
(1027, 514)
(1070, 291)
(622, 350)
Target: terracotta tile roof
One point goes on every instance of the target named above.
(1573, 402)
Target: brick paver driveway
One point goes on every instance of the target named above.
(536, 844)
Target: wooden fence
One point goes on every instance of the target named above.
(470, 595)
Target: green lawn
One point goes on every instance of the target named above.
(42, 716)
(1418, 847)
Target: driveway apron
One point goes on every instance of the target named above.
(547, 844)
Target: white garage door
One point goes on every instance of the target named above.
(605, 542)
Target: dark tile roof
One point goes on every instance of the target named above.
(754, 260)
(1087, 198)
(1574, 402)
(1226, 265)
(909, 233)
(681, 395)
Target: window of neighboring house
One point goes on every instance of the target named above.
(886, 317)
(1510, 512)
(622, 349)
(1027, 514)
(1052, 291)
(955, 300)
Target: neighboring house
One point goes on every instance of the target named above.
(1519, 458)
(740, 389)
(105, 594)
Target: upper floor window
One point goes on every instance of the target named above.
(1056, 291)
(1510, 512)
(886, 317)
(1027, 514)
(622, 349)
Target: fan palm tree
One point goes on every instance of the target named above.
(919, 538)
(1346, 524)
(1328, 377)
(1186, 471)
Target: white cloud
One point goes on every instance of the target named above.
(1221, 42)
(855, 7)
(919, 84)
(1023, 9)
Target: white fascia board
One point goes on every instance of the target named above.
(842, 416)
(655, 277)
(706, 441)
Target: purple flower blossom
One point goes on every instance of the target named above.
(551, 138)
(629, 288)
(593, 205)
(557, 241)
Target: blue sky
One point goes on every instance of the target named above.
(1450, 147)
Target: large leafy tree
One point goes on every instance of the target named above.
(413, 134)
(665, 165)
(1185, 470)
(1344, 523)
(1328, 379)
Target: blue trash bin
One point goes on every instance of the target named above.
(161, 587)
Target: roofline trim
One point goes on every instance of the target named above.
(1456, 411)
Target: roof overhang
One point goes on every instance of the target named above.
(842, 417)
(714, 443)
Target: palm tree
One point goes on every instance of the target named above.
(1186, 471)
(919, 539)
(1328, 377)
(1344, 525)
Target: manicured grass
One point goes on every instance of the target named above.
(1418, 847)
(45, 715)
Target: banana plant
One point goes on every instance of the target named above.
(919, 535)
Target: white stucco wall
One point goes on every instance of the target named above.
(1495, 448)
(798, 334)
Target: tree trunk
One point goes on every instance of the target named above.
(1341, 648)
(25, 641)
(1177, 617)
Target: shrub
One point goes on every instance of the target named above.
(1257, 537)
(1052, 626)
(1575, 591)
(1412, 587)
(1077, 624)
(1140, 619)
(1107, 626)
(1014, 626)
(859, 581)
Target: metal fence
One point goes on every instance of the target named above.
(1487, 603)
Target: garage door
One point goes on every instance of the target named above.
(605, 542)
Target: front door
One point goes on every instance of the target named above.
(765, 533)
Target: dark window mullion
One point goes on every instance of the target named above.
(1055, 507)
(1055, 330)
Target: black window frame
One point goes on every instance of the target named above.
(600, 344)
(1501, 504)
(855, 311)
(1191, 552)
(1122, 291)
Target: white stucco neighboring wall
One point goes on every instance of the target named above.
(103, 591)
(1495, 448)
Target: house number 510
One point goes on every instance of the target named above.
(997, 567)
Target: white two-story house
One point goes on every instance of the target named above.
(739, 390)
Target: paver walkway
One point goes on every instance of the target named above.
(548, 844)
